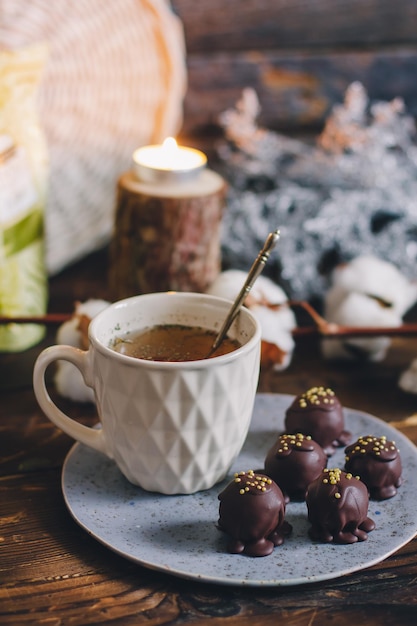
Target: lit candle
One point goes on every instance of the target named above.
(168, 162)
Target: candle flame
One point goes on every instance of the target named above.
(169, 156)
(169, 151)
(170, 143)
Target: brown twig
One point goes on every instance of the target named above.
(321, 327)
(50, 319)
(337, 332)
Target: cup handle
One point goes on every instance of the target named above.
(89, 436)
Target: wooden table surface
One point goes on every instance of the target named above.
(52, 572)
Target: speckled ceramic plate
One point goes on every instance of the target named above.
(178, 534)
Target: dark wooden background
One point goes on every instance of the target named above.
(299, 56)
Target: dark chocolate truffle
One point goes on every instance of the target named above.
(293, 462)
(318, 413)
(378, 463)
(337, 504)
(251, 512)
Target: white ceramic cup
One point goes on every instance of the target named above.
(171, 427)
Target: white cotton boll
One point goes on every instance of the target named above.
(68, 332)
(358, 309)
(276, 329)
(277, 323)
(70, 384)
(408, 379)
(374, 349)
(68, 380)
(91, 308)
(276, 326)
(366, 292)
(265, 289)
(229, 283)
(372, 276)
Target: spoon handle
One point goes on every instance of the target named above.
(255, 270)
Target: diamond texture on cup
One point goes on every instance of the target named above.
(166, 443)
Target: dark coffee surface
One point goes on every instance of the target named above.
(173, 342)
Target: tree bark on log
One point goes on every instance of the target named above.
(166, 236)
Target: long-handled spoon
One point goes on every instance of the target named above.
(255, 270)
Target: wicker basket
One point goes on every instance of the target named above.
(114, 80)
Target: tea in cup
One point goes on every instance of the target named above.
(172, 422)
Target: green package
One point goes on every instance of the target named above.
(23, 179)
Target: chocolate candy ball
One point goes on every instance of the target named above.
(337, 504)
(251, 512)
(378, 463)
(318, 413)
(293, 462)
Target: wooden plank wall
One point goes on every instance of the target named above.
(299, 56)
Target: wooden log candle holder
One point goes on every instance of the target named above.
(166, 235)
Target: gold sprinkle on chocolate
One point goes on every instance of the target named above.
(250, 480)
(315, 396)
(372, 445)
